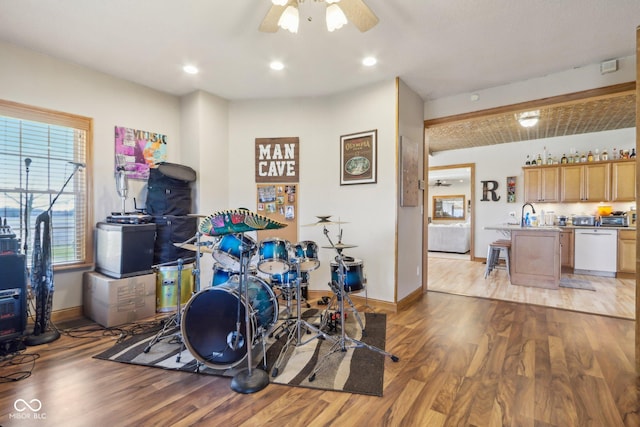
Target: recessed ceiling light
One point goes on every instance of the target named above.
(190, 69)
(276, 65)
(369, 61)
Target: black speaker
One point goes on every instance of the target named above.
(13, 296)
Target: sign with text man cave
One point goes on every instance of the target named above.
(277, 159)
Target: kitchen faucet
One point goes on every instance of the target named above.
(533, 210)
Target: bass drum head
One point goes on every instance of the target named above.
(209, 327)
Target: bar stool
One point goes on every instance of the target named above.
(493, 257)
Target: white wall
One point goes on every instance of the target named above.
(497, 162)
(409, 224)
(31, 78)
(570, 81)
(319, 122)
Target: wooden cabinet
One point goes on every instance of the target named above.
(535, 258)
(541, 184)
(623, 181)
(626, 251)
(585, 182)
(566, 248)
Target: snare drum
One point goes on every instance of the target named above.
(209, 325)
(354, 276)
(307, 252)
(285, 280)
(167, 287)
(228, 249)
(222, 275)
(274, 256)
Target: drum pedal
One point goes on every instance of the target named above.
(324, 301)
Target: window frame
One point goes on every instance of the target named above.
(53, 117)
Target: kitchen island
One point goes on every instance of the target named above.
(535, 255)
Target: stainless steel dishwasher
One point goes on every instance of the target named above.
(596, 251)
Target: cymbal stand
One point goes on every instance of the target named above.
(248, 380)
(173, 321)
(341, 344)
(336, 298)
(295, 333)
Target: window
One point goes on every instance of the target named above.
(37, 150)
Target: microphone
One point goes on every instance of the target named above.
(27, 162)
(78, 164)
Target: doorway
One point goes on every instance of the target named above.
(451, 236)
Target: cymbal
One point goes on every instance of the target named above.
(194, 248)
(325, 223)
(340, 246)
(324, 220)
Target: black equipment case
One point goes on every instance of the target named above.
(169, 189)
(172, 229)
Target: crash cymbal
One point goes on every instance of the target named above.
(194, 248)
(340, 246)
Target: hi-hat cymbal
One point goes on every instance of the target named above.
(194, 248)
(325, 223)
(340, 246)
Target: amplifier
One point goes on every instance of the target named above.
(13, 296)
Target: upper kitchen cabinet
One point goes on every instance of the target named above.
(585, 182)
(623, 182)
(541, 184)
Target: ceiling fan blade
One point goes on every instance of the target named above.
(270, 22)
(359, 14)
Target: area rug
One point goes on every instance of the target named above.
(357, 370)
(566, 282)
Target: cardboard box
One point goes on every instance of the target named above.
(112, 302)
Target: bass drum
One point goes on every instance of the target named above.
(209, 321)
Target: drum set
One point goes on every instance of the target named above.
(221, 325)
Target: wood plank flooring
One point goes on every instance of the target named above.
(464, 361)
(612, 296)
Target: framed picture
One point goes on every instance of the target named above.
(358, 158)
(449, 207)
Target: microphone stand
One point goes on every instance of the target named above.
(42, 276)
(247, 380)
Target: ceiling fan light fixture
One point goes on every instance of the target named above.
(335, 17)
(332, 1)
(279, 2)
(528, 118)
(290, 19)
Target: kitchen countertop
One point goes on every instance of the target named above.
(509, 227)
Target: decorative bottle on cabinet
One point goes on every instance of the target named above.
(633, 153)
(564, 159)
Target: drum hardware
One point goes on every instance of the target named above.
(295, 332)
(174, 320)
(338, 288)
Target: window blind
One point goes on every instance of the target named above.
(37, 148)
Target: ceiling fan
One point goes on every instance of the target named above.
(440, 183)
(284, 14)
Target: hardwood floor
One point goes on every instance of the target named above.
(464, 361)
(612, 297)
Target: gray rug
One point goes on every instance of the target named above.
(356, 370)
(566, 282)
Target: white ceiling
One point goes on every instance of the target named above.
(438, 47)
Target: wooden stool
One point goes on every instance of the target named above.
(493, 257)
